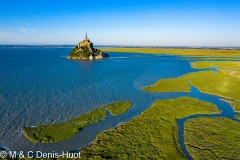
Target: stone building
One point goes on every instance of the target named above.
(85, 50)
(86, 42)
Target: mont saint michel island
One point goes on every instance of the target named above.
(85, 50)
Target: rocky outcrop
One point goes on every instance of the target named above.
(93, 56)
(85, 50)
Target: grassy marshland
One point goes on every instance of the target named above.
(237, 116)
(219, 83)
(51, 133)
(186, 52)
(169, 85)
(118, 108)
(212, 138)
(220, 65)
(203, 58)
(151, 135)
(234, 104)
(230, 69)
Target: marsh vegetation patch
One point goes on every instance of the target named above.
(175, 51)
(151, 135)
(212, 138)
(51, 133)
(118, 108)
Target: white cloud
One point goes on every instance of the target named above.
(23, 29)
(27, 30)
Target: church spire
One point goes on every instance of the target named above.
(86, 36)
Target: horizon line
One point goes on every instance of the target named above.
(124, 46)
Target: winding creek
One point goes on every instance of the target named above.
(48, 88)
(227, 111)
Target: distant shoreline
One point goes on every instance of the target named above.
(124, 47)
(179, 51)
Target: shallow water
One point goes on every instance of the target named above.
(40, 85)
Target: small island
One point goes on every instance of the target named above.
(52, 133)
(85, 50)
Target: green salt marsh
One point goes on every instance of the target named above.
(218, 83)
(212, 138)
(151, 135)
(118, 108)
(51, 133)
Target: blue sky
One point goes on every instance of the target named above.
(121, 22)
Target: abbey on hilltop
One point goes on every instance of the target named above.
(85, 50)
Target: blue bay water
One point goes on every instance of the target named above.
(40, 85)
